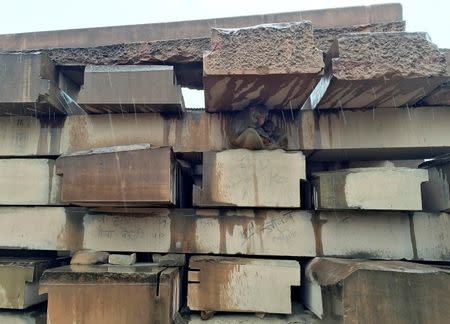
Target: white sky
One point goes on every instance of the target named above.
(18, 16)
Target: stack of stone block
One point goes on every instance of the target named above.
(312, 188)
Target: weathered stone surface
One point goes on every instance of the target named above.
(19, 280)
(122, 259)
(233, 284)
(187, 50)
(371, 70)
(382, 188)
(90, 37)
(324, 135)
(277, 65)
(87, 257)
(441, 96)
(133, 175)
(185, 54)
(345, 291)
(325, 37)
(247, 178)
(142, 293)
(368, 234)
(29, 182)
(436, 192)
(130, 89)
(29, 86)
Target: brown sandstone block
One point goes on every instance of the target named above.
(356, 291)
(370, 70)
(135, 175)
(141, 293)
(274, 64)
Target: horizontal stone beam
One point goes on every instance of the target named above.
(360, 234)
(91, 37)
(325, 135)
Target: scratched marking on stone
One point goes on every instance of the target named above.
(276, 224)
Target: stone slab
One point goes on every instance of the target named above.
(130, 89)
(381, 188)
(436, 192)
(276, 65)
(88, 37)
(29, 182)
(30, 86)
(325, 135)
(353, 291)
(19, 280)
(370, 70)
(248, 178)
(136, 175)
(232, 284)
(142, 293)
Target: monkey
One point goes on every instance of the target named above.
(246, 128)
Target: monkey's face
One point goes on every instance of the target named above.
(260, 119)
(259, 116)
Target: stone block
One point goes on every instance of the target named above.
(247, 178)
(122, 259)
(356, 291)
(277, 65)
(383, 188)
(87, 257)
(136, 175)
(30, 86)
(142, 293)
(169, 260)
(370, 70)
(130, 89)
(232, 284)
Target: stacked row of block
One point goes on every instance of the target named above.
(106, 158)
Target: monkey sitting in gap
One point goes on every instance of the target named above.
(251, 129)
